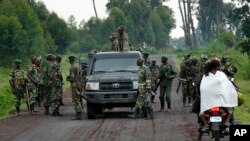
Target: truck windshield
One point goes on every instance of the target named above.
(115, 65)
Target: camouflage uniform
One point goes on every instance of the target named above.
(166, 74)
(47, 83)
(154, 70)
(114, 43)
(122, 38)
(32, 75)
(56, 85)
(189, 76)
(17, 81)
(75, 80)
(143, 102)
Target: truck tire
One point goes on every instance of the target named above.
(91, 110)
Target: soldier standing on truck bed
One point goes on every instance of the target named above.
(122, 37)
(17, 80)
(114, 42)
(74, 78)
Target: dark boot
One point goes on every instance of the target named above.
(78, 116)
(145, 112)
(189, 102)
(152, 98)
(18, 110)
(169, 105)
(162, 106)
(184, 101)
(135, 114)
(59, 114)
(61, 102)
(150, 113)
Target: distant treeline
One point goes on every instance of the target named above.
(27, 28)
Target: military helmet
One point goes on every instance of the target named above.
(18, 61)
(204, 56)
(48, 56)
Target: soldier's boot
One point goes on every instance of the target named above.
(135, 113)
(162, 106)
(46, 111)
(61, 102)
(144, 112)
(78, 116)
(150, 113)
(18, 110)
(169, 106)
(59, 114)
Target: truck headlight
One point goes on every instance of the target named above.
(92, 86)
(135, 84)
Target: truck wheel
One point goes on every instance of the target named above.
(90, 111)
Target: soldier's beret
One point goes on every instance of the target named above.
(164, 58)
(18, 61)
(72, 57)
(58, 57)
(145, 54)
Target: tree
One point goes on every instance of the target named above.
(72, 23)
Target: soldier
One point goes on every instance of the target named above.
(122, 39)
(166, 76)
(40, 81)
(224, 63)
(131, 48)
(143, 103)
(47, 83)
(74, 79)
(18, 80)
(203, 61)
(154, 70)
(114, 42)
(55, 82)
(60, 77)
(32, 75)
(146, 59)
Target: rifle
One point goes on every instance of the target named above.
(179, 85)
(28, 99)
(158, 84)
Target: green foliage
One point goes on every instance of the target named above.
(244, 46)
(227, 38)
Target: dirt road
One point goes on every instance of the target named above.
(114, 125)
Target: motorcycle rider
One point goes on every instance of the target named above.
(216, 90)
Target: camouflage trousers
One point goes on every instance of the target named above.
(143, 99)
(55, 99)
(30, 98)
(188, 91)
(19, 95)
(47, 96)
(76, 97)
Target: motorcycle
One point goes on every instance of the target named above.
(215, 118)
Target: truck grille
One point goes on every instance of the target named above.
(116, 85)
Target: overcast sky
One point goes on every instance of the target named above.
(83, 9)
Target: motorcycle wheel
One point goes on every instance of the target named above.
(216, 135)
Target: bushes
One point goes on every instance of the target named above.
(6, 101)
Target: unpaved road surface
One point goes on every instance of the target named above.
(114, 125)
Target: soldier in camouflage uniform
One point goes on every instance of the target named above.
(60, 77)
(224, 63)
(55, 82)
(18, 80)
(203, 61)
(32, 75)
(40, 81)
(74, 78)
(143, 103)
(114, 42)
(154, 70)
(166, 76)
(47, 83)
(146, 59)
(122, 38)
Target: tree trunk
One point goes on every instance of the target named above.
(95, 9)
(187, 22)
(191, 23)
(184, 23)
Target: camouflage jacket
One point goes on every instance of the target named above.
(32, 74)
(74, 75)
(166, 73)
(114, 45)
(154, 69)
(17, 78)
(123, 42)
(144, 77)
